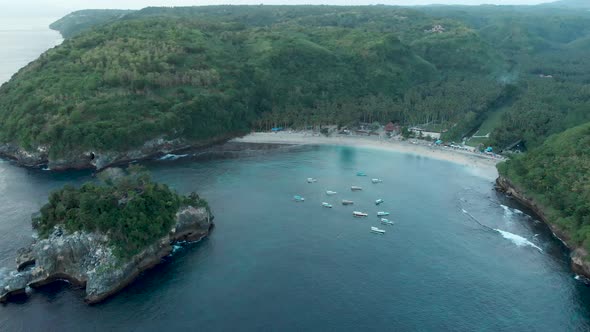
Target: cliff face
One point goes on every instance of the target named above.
(86, 259)
(578, 255)
(100, 159)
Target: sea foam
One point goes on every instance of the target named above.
(517, 239)
(173, 156)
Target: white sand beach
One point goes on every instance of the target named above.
(478, 164)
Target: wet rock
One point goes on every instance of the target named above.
(87, 259)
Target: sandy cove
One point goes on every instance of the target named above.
(478, 164)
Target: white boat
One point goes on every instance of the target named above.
(347, 202)
(330, 192)
(382, 214)
(312, 180)
(386, 221)
(355, 188)
(359, 214)
(327, 205)
(376, 180)
(379, 201)
(298, 198)
(377, 230)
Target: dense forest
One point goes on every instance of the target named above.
(557, 175)
(122, 78)
(132, 210)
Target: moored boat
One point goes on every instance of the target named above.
(386, 221)
(377, 230)
(382, 214)
(359, 214)
(361, 174)
(376, 180)
(298, 198)
(312, 180)
(347, 202)
(327, 205)
(330, 192)
(379, 201)
(355, 188)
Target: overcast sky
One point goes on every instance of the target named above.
(62, 7)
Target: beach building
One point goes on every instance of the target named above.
(421, 132)
(392, 129)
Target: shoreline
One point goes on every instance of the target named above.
(578, 255)
(478, 164)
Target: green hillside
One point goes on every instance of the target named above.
(195, 74)
(199, 73)
(557, 175)
(79, 21)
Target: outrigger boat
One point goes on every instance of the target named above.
(376, 180)
(312, 180)
(329, 192)
(379, 201)
(298, 198)
(355, 188)
(382, 214)
(377, 230)
(346, 202)
(386, 221)
(327, 205)
(359, 214)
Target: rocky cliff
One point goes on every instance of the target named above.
(579, 256)
(86, 259)
(97, 159)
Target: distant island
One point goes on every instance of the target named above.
(102, 236)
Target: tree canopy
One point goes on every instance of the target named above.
(122, 78)
(132, 211)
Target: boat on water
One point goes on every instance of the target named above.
(376, 180)
(386, 221)
(361, 174)
(330, 192)
(312, 180)
(355, 188)
(347, 202)
(382, 214)
(298, 198)
(327, 205)
(377, 230)
(379, 201)
(359, 214)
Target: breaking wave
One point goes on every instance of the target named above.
(517, 239)
(173, 156)
(507, 210)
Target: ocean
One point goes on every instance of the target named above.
(276, 265)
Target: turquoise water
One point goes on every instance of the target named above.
(273, 264)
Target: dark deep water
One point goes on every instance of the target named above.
(272, 264)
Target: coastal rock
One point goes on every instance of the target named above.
(578, 255)
(97, 159)
(22, 156)
(86, 260)
(13, 284)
